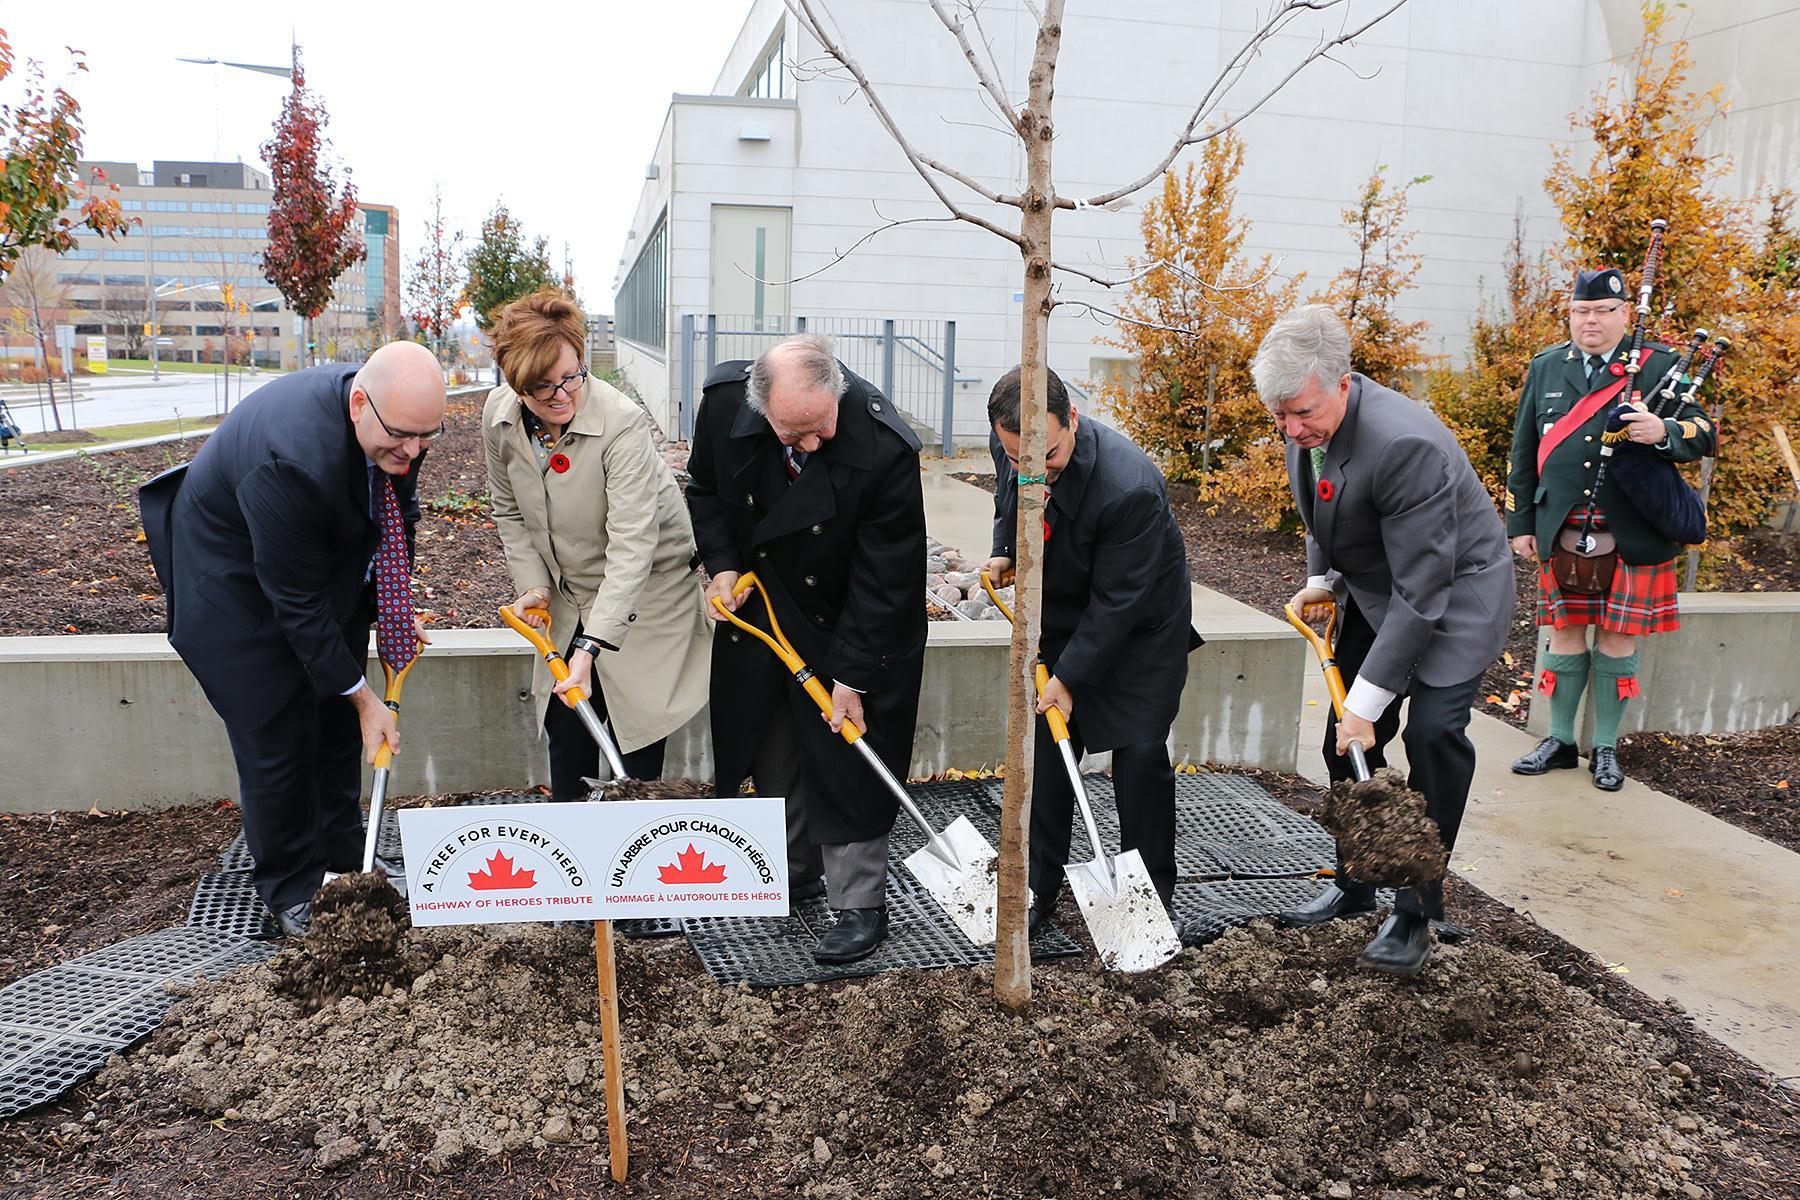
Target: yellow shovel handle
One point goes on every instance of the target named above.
(987, 585)
(1059, 728)
(396, 680)
(784, 650)
(559, 669)
(1322, 646)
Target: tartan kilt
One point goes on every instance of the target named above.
(1641, 600)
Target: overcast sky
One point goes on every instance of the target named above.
(552, 106)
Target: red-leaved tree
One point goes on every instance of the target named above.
(312, 226)
(434, 285)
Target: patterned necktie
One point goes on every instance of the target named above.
(796, 462)
(395, 641)
(1318, 462)
(1593, 368)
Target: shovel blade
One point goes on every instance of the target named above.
(1129, 925)
(967, 890)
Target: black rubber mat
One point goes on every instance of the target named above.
(1203, 911)
(227, 902)
(648, 927)
(59, 1025)
(777, 951)
(236, 855)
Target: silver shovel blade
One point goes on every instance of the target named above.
(969, 890)
(1129, 925)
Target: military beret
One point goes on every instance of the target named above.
(1599, 285)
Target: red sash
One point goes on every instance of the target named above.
(1576, 417)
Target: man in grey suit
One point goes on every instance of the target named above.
(1400, 532)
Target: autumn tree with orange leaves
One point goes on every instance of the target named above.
(1366, 293)
(312, 225)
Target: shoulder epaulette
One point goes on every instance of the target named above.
(884, 410)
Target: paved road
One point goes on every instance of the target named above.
(130, 398)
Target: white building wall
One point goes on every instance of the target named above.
(1475, 95)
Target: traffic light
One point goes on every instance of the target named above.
(227, 290)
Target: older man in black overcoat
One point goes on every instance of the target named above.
(1118, 628)
(807, 475)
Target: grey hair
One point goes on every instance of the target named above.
(812, 356)
(1310, 343)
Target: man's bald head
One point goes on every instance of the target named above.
(796, 385)
(397, 404)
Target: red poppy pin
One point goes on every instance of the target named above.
(1326, 491)
(1618, 370)
(559, 463)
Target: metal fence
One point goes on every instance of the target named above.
(912, 361)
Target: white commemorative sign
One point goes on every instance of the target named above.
(600, 860)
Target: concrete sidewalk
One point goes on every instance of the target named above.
(1681, 903)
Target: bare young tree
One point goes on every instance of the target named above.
(1037, 202)
(37, 299)
(124, 309)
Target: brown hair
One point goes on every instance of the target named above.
(529, 335)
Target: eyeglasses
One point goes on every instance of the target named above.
(400, 435)
(569, 384)
(1604, 310)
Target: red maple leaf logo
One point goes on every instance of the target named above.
(693, 869)
(500, 875)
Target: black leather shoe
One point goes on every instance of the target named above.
(1331, 904)
(1607, 776)
(804, 890)
(1035, 919)
(295, 920)
(1403, 946)
(856, 935)
(1550, 755)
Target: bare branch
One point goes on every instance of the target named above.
(1107, 316)
(1005, 133)
(804, 12)
(839, 256)
(1031, 8)
(1234, 70)
(979, 189)
(987, 43)
(988, 82)
(1148, 268)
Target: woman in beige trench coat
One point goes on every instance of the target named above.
(596, 531)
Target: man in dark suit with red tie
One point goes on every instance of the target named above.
(806, 474)
(278, 547)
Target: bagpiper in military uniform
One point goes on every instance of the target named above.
(1603, 562)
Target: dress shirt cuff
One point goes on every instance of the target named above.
(1368, 700)
(1322, 582)
(354, 688)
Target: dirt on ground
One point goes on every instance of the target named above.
(1263, 1064)
(1383, 835)
(356, 945)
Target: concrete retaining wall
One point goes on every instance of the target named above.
(1734, 664)
(117, 721)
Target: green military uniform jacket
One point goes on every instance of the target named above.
(1538, 504)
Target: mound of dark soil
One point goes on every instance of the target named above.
(357, 945)
(655, 789)
(1383, 835)
(1263, 1065)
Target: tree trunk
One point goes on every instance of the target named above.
(1012, 949)
(49, 365)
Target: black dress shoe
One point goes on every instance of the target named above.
(295, 920)
(1607, 776)
(1550, 755)
(1035, 919)
(803, 890)
(856, 935)
(1403, 946)
(1331, 904)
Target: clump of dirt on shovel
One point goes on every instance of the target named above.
(357, 945)
(1383, 835)
(652, 789)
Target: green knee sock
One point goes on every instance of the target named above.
(1571, 671)
(1615, 682)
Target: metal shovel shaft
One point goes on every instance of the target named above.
(608, 750)
(933, 840)
(1100, 862)
(377, 798)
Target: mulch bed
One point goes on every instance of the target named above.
(735, 1092)
(1750, 778)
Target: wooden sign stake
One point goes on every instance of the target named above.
(607, 984)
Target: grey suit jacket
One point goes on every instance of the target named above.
(1400, 521)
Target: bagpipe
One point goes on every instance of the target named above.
(1649, 481)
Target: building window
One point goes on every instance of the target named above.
(81, 255)
(132, 205)
(642, 304)
(165, 206)
(124, 255)
(247, 231)
(255, 210)
(769, 80)
(169, 255)
(210, 206)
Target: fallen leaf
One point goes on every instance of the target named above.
(1781, 783)
(1676, 892)
(1507, 658)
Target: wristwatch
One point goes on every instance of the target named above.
(592, 645)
